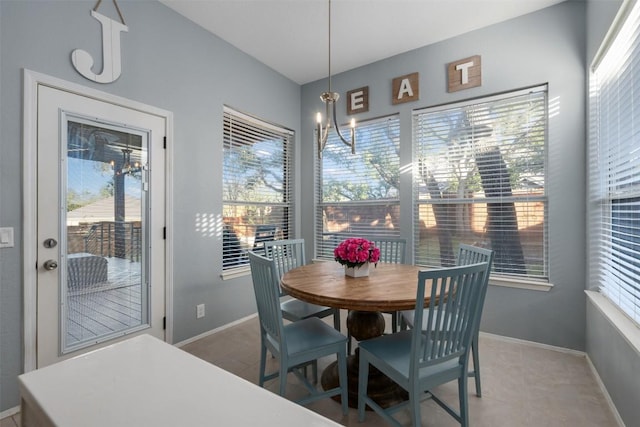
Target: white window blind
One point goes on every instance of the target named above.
(614, 169)
(479, 171)
(257, 185)
(357, 195)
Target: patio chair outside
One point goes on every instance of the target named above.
(264, 233)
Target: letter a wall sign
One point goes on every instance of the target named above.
(405, 89)
(111, 61)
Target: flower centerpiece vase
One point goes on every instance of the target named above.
(360, 271)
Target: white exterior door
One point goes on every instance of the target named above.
(101, 253)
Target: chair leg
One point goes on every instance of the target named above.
(336, 319)
(414, 404)
(363, 379)
(464, 403)
(342, 372)
(349, 343)
(403, 323)
(394, 322)
(476, 365)
(263, 357)
(282, 376)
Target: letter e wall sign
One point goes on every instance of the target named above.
(358, 101)
(464, 74)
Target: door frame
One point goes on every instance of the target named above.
(31, 81)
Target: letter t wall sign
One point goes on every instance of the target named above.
(464, 74)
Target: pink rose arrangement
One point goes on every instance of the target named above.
(355, 252)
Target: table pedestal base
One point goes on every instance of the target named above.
(384, 391)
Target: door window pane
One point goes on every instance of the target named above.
(104, 276)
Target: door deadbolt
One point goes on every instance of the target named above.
(50, 264)
(50, 243)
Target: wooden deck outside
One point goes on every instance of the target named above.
(111, 307)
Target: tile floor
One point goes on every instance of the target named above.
(523, 385)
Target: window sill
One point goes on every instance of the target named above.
(235, 273)
(627, 327)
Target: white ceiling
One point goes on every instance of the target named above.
(291, 36)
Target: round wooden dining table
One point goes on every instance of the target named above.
(389, 287)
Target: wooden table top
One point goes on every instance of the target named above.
(389, 287)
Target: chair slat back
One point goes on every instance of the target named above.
(266, 285)
(286, 254)
(468, 254)
(453, 306)
(392, 250)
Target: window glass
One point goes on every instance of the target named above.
(257, 186)
(479, 170)
(614, 169)
(357, 195)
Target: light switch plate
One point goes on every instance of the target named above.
(6, 237)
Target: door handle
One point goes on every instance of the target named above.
(50, 264)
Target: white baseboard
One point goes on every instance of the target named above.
(534, 344)
(605, 393)
(9, 412)
(213, 331)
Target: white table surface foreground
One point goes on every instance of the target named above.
(146, 382)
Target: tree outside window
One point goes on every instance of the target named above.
(480, 179)
(257, 187)
(357, 195)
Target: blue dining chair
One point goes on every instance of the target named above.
(419, 362)
(393, 250)
(288, 254)
(296, 344)
(467, 254)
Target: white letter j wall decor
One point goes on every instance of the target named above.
(111, 62)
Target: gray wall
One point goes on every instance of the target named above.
(543, 47)
(173, 64)
(617, 363)
(170, 63)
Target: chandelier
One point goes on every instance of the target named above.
(128, 167)
(330, 99)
